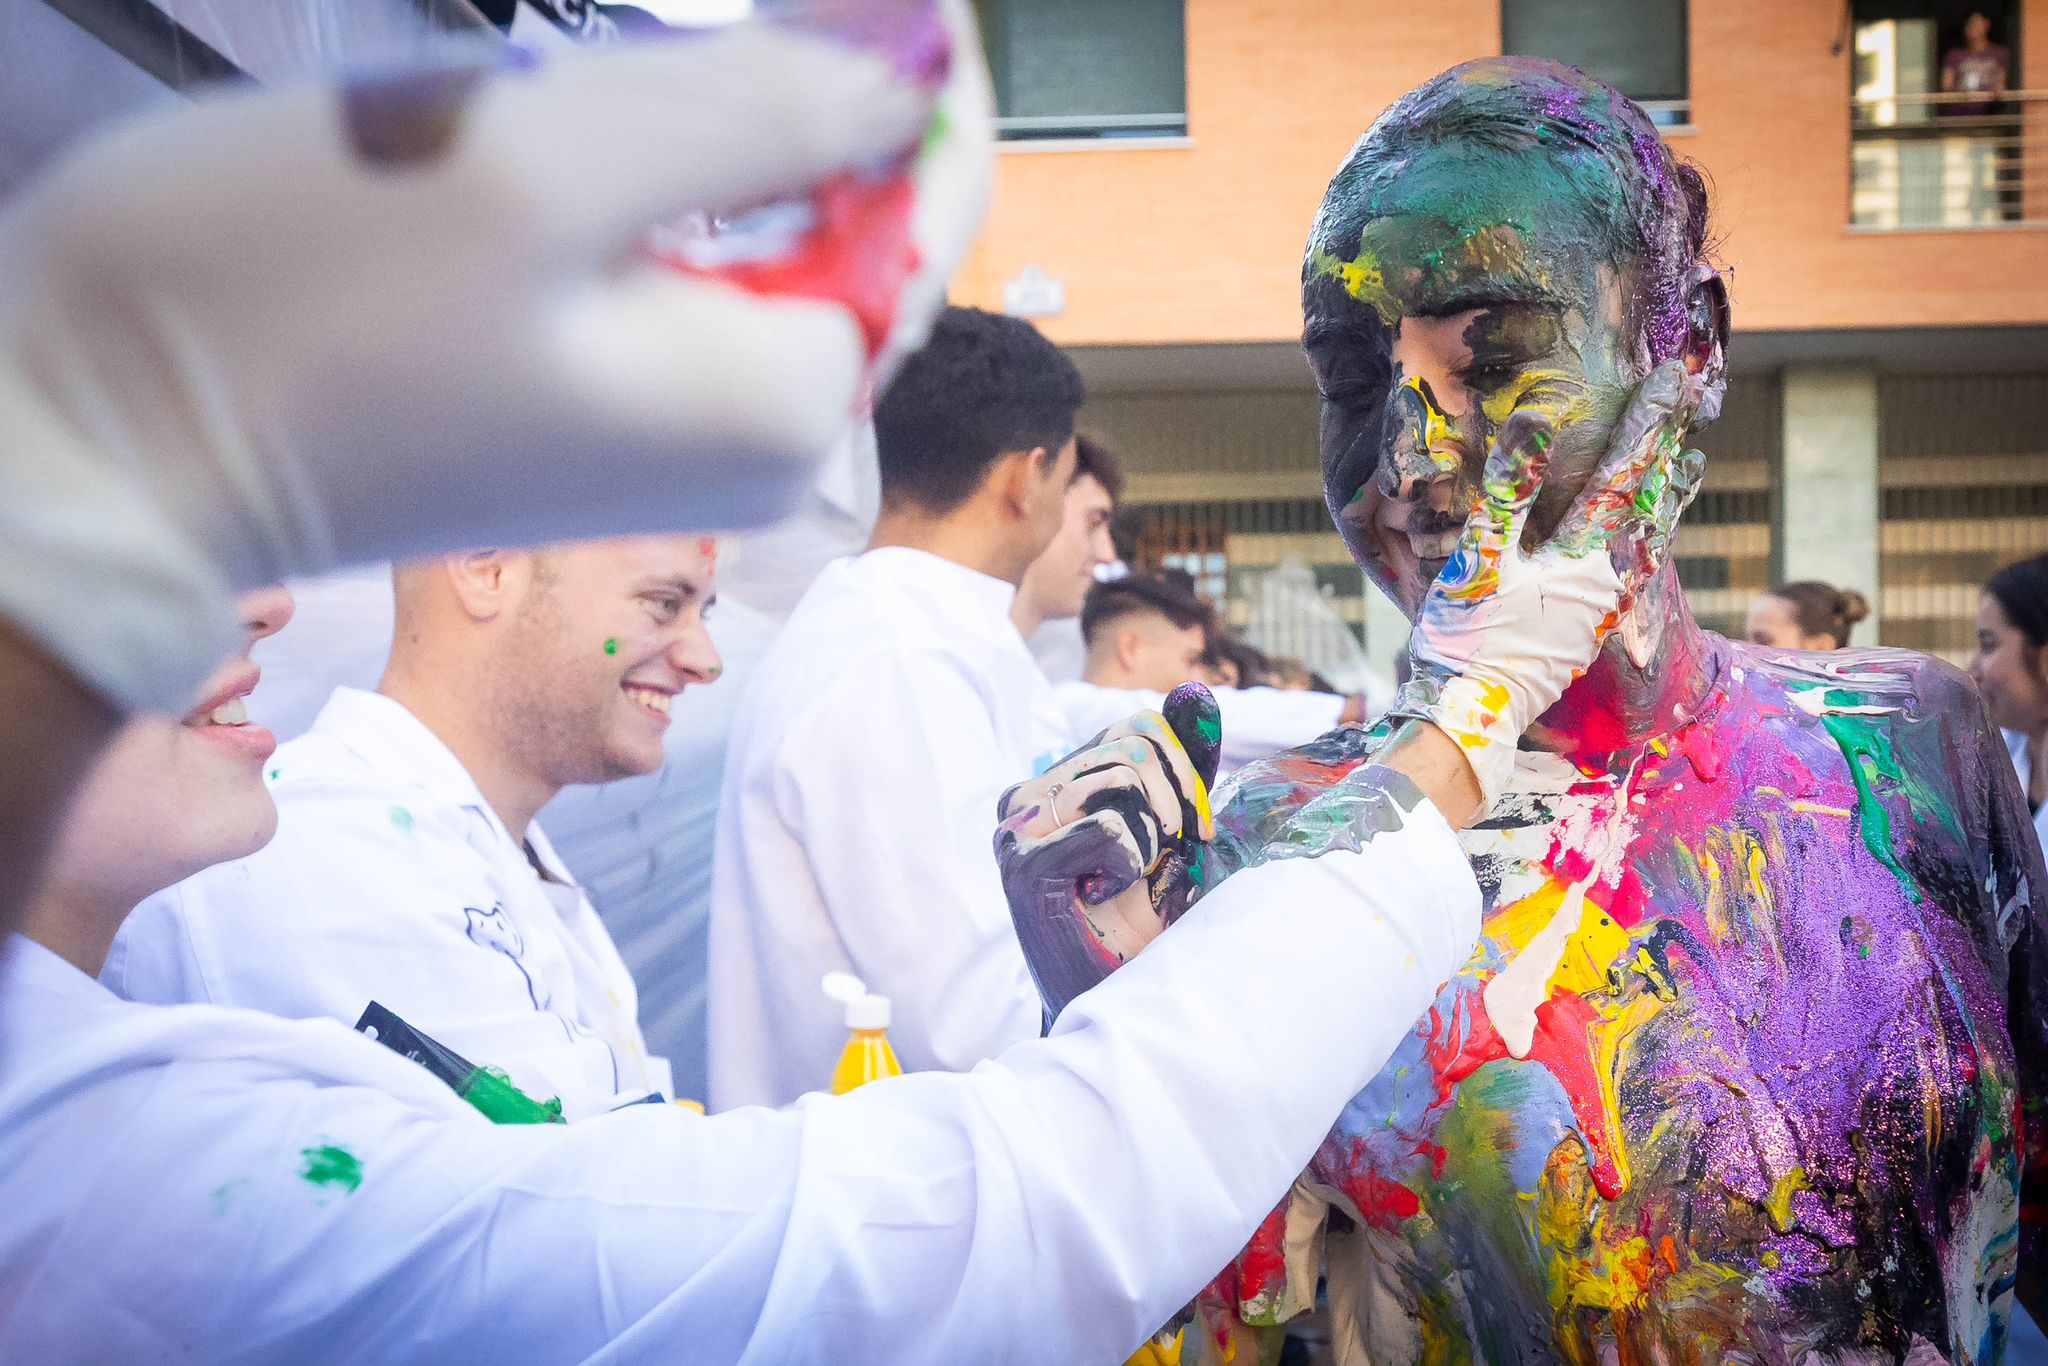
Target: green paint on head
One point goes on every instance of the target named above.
(330, 1165)
(611, 645)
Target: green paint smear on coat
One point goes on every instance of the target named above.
(226, 1196)
(402, 819)
(493, 1093)
(1869, 752)
(328, 1165)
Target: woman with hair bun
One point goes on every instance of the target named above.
(1807, 615)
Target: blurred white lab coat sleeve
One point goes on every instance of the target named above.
(282, 1191)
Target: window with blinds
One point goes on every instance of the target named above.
(1637, 46)
(1963, 470)
(1087, 68)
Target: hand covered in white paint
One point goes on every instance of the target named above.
(272, 331)
(1504, 630)
(1093, 853)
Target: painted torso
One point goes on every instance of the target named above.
(1752, 1093)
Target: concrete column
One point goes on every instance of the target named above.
(1826, 512)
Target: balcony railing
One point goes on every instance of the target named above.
(1944, 161)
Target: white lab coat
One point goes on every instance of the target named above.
(1257, 722)
(2022, 762)
(392, 879)
(855, 829)
(161, 1167)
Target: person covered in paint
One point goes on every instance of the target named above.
(1146, 636)
(1806, 615)
(408, 868)
(889, 716)
(2011, 667)
(1749, 1060)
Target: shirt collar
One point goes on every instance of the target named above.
(947, 591)
(391, 740)
(25, 963)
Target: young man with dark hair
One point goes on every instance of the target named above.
(1146, 635)
(881, 730)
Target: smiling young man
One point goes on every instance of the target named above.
(407, 867)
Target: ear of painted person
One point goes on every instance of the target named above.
(1709, 327)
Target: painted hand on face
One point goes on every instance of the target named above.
(1504, 630)
(1094, 853)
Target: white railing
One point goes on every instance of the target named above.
(1948, 160)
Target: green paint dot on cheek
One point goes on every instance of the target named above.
(611, 645)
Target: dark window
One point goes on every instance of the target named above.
(1636, 46)
(1087, 68)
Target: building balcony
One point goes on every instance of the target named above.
(1945, 162)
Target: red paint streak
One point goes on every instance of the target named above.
(1590, 717)
(1437, 1158)
(1381, 1203)
(1702, 747)
(1261, 1268)
(1469, 1044)
(1563, 1047)
(860, 253)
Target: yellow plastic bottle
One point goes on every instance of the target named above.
(867, 1056)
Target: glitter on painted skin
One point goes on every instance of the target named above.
(1737, 1122)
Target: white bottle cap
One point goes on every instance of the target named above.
(843, 987)
(869, 1012)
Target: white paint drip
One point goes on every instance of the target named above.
(1513, 994)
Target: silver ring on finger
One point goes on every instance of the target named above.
(1052, 802)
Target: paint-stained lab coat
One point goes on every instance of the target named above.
(195, 1184)
(391, 879)
(855, 829)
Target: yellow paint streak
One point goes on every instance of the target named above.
(1437, 437)
(1591, 953)
(1716, 907)
(1778, 1205)
(1609, 1036)
(1363, 280)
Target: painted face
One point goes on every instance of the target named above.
(2009, 670)
(1428, 325)
(1160, 655)
(172, 797)
(1775, 622)
(609, 634)
(1058, 580)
